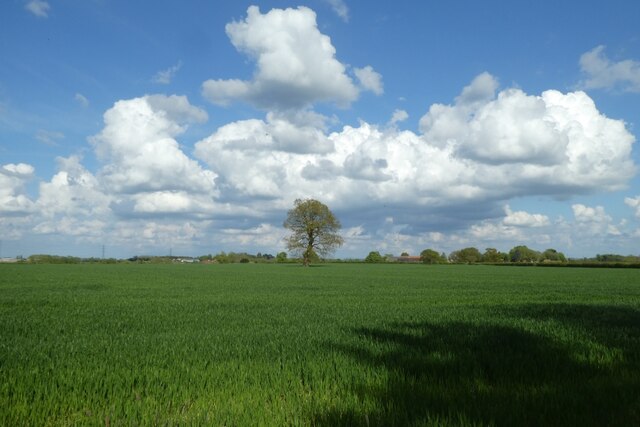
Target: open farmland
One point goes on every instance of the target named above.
(330, 345)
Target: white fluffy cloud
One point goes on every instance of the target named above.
(555, 140)
(483, 147)
(296, 63)
(524, 219)
(594, 221)
(139, 151)
(13, 179)
(73, 191)
(601, 72)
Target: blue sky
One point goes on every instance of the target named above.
(192, 126)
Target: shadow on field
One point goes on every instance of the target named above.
(478, 373)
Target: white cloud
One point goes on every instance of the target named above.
(602, 73)
(340, 8)
(594, 221)
(369, 79)
(81, 99)
(72, 191)
(13, 179)
(165, 76)
(72, 203)
(562, 137)
(586, 214)
(398, 116)
(524, 219)
(140, 153)
(431, 182)
(634, 203)
(296, 64)
(39, 8)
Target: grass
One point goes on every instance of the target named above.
(334, 345)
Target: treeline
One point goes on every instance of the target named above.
(56, 259)
(243, 258)
(518, 255)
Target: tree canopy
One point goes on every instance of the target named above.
(314, 230)
(374, 257)
(430, 256)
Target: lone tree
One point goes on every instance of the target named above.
(313, 230)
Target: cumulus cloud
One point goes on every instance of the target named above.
(472, 156)
(369, 79)
(139, 150)
(602, 73)
(165, 76)
(13, 179)
(72, 191)
(39, 8)
(594, 221)
(554, 135)
(296, 64)
(524, 219)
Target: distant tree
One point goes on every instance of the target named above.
(281, 257)
(374, 257)
(314, 230)
(494, 256)
(429, 256)
(610, 258)
(466, 256)
(404, 254)
(222, 258)
(523, 254)
(553, 255)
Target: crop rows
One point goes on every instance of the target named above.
(331, 345)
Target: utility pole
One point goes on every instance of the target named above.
(102, 251)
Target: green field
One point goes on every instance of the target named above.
(355, 344)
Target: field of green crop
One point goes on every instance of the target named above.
(370, 345)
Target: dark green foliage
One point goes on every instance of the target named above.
(523, 254)
(347, 344)
(429, 256)
(374, 257)
(493, 256)
(465, 256)
(551, 255)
